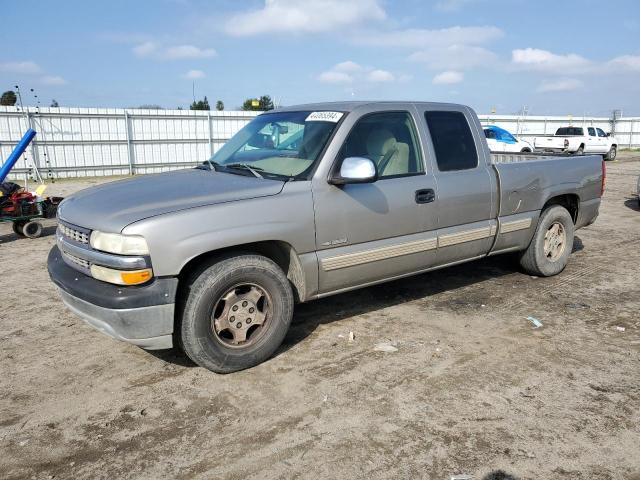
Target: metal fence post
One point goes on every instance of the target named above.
(631, 134)
(210, 133)
(130, 154)
(35, 156)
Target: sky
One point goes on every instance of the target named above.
(553, 57)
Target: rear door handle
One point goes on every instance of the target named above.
(426, 195)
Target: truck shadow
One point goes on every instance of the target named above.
(309, 316)
(633, 203)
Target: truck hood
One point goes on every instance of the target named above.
(112, 206)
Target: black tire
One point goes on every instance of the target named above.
(18, 228)
(580, 150)
(32, 229)
(198, 336)
(612, 153)
(534, 260)
(525, 150)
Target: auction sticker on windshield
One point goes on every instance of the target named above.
(324, 117)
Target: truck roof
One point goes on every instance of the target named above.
(349, 106)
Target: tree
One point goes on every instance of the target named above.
(8, 98)
(263, 103)
(54, 103)
(219, 105)
(200, 105)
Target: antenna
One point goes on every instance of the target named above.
(193, 90)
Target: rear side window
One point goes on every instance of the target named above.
(452, 140)
(592, 131)
(570, 131)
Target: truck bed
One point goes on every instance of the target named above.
(526, 181)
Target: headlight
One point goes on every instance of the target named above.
(121, 277)
(119, 244)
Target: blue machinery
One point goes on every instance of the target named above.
(15, 155)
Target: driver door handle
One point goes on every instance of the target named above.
(426, 195)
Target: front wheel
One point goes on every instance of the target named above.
(237, 313)
(611, 155)
(549, 250)
(32, 229)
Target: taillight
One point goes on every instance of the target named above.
(566, 142)
(604, 178)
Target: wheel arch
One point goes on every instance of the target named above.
(570, 201)
(280, 252)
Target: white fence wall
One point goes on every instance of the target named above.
(73, 142)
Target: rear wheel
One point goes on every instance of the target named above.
(549, 250)
(236, 314)
(611, 155)
(580, 150)
(32, 229)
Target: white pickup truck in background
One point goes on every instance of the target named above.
(579, 140)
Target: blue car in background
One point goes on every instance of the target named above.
(501, 141)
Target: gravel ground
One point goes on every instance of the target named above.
(472, 388)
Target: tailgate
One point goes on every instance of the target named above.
(549, 142)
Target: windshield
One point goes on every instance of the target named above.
(284, 144)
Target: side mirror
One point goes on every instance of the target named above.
(608, 134)
(355, 170)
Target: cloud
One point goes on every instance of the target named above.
(380, 76)
(418, 37)
(560, 85)
(626, 62)
(350, 71)
(303, 16)
(194, 74)
(455, 57)
(144, 49)
(449, 77)
(335, 77)
(545, 61)
(347, 67)
(188, 51)
(177, 52)
(25, 68)
(53, 80)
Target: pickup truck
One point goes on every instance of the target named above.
(575, 140)
(302, 203)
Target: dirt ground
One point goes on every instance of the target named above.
(472, 388)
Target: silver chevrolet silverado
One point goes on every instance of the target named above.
(302, 203)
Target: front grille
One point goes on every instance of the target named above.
(78, 261)
(76, 235)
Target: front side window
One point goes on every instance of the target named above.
(389, 139)
(452, 140)
(278, 145)
(601, 132)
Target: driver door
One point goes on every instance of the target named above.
(373, 231)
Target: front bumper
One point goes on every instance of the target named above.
(141, 315)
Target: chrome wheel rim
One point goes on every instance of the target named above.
(555, 241)
(241, 315)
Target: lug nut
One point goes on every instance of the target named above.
(248, 320)
(232, 319)
(244, 304)
(235, 307)
(239, 325)
(251, 310)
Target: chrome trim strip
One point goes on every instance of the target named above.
(376, 254)
(515, 225)
(119, 262)
(465, 236)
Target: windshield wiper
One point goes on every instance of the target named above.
(209, 165)
(244, 166)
